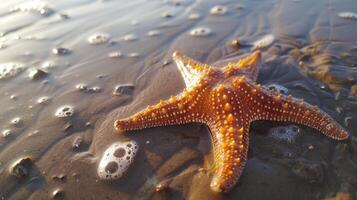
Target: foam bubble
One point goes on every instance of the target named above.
(64, 111)
(200, 32)
(286, 134)
(117, 159)
(264, 42)
(35, 6)
(218, 10)
(98, 38)
(43, 100)
(8, 70)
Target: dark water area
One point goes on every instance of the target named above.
(69, 69)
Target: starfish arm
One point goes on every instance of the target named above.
(271, 105)
(248, 66)
(176, 110)
(230, 148)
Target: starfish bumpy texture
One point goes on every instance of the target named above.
(228, 100)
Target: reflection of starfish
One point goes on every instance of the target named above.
(227, 100)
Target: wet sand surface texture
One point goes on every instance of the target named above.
(68, 69)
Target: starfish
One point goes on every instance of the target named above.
(228, 100)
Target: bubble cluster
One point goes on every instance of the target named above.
(35, 6)
(200, 32)
(264, 42)
(83, 87)
(279, 88)
(218, 10)
(348, 15)
(98, 38)
(8, 70)
(286, 134)
(64, 111)
(117, 159)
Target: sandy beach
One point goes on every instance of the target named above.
(69, 69)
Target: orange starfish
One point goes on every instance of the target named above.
(227, 100)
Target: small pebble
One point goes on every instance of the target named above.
(125, 89)
(166, 15)
(194, 16)
(60, 51)
(348, 121)
(43, 100)
(133, 55)
(21, 167)
(218, 10)
(115, 54)
(6, 133)
(200, 32)
(63, 16)
(36, 74)
(166, 62)
(33, 133)
(94, 89)
(98, 38)
(160, 187)
(77, 142)
(81, 86)
(235, 43)
(67, 127)
(264, 42)
(60, 177)
(58, 194)
(153, 33)
(130, 37)
(16, 121)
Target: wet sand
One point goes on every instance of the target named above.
(313, 55)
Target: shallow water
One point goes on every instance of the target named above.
(309, 48)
